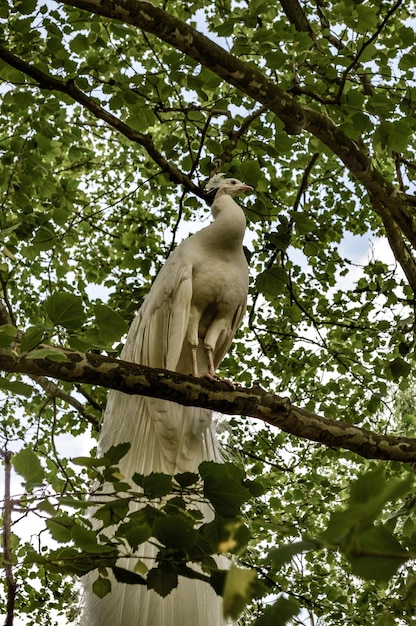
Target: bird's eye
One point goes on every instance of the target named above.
(233, 182)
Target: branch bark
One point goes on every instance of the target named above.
(278, 411)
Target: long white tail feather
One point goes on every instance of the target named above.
(165, 437)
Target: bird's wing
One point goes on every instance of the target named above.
(157, 334)
(225, 341)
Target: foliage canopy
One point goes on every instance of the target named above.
(113, 116)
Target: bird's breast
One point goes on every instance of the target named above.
(220, 282)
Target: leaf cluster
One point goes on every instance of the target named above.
(96, 192)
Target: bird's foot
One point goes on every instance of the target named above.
(210, 376)
(215, 378)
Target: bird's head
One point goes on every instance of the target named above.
(226, 186)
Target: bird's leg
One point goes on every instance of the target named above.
(194, 359)
(193, 339)
(211, 375)
(210, 359)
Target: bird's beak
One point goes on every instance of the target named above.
(245, 187)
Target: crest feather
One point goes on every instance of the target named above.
(215, 181)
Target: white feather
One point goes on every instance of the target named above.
(207, 276)
(214, 182)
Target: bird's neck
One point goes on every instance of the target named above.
(230, 222)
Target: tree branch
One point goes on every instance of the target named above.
(7, 546)
(234, 137)
(388, 201)
(68, 87)
(181, 36)
(54, 391)
(296, 16)
(386, 198)
(365, 45)
(278, 411)
(51, 388)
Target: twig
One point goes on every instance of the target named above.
(305, 179)
(339, 44)
(365, 45)
(396, 157)
(6, 311)
(235, 136)
(54, 391)
(302, 188)
(7, 548)
(90, 399)
(176, 226)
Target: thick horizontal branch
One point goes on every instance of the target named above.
(278, 411)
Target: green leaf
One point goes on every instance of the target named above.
(32, 338)
(407, 35)
(226, 535)
(239, 589)
(223, 487)
(47, 353)
(60, 528)
(44, 238)
(17, 387)
(398, 368)
(304, 223)
(367, 17)
(79, 44)
(368, 496)
(311, 248)
(280, 613)
(25, 7)
(84, 538)
(162, 579)
(283, 554)
(27, 464)
(376, 554)
(101, 587)
(127, 577)
(112, 512)
(115, 453)
(250, 173)
(134, 532)
(141, 119)
(65, 309)
(255, 487)
(155, 485)
(111, 326)
(174, 532)
(367, 486)
(7, 335)
(272, 281)
(87, 461)
(186, 479)
(47, 507)
(393, 135)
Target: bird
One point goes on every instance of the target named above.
(186, 324)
